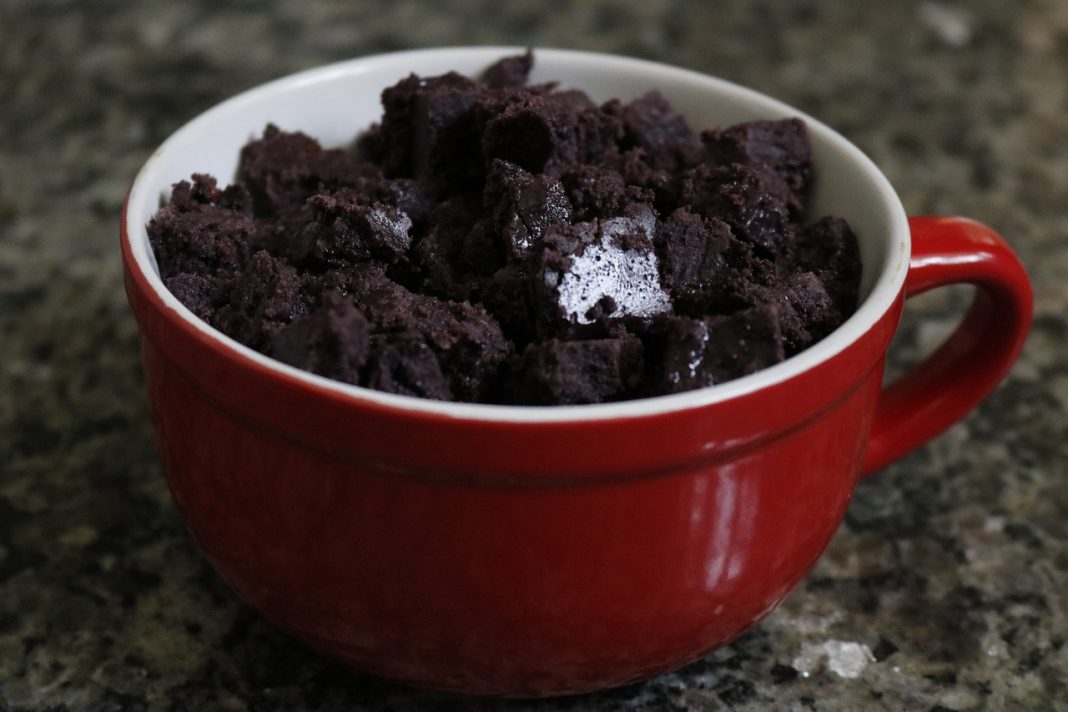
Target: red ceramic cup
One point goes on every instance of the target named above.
(546, 550)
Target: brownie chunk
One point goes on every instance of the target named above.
(429, 128)
(458, 249)
(693, 255)
(281, 170)
(755, 204)
(404, 363)
(828, 248)
(575, 372)
(344, 230)
(781, 147)
(500, 242)
(598, 192)
(203, 230)
(468, 341)
(523, 206)
(509, 71)
(199, 292)
(332, 341)
(667, 141)
(535, 133)
(266, 296)
(807, 312)
(509, 296)
(703, 352)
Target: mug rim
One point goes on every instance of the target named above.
(885, 289)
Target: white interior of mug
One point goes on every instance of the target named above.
(335, 102)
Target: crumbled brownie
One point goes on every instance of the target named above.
(344, 231)
(596, 192)
(693, 255)
(332, 341)
(468, 341)
(266, 296)
(508, 296)
(756, 204)
(282, 170)
(457, 250)
(828, 248)
(652, 124)
(781, 147)
(807, 312)
(500, 242)
(509, 71)
(703, 352)
(200, 292)
(203, 230)
(536, 133)
(523, 205)
(404, 363)
(575, 372)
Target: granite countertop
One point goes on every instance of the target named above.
(947, 586)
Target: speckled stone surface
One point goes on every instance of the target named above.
(945, 589)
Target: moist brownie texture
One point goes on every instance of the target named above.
(500, 242)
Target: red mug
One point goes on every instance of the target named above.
(530, 551)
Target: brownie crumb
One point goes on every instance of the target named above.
(496, 241)
(509, 71)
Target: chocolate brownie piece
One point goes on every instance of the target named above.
(200, 293)
(508, 296)
(575, 372)
(283, 169)
(413, 196)
(468, 342)
(333, 341)
(600, 192)
(756, 204)
(535, 133)
(702, 352)
(203, 230)
(781, 147)
(344, 230)
(667, 142)
(807, 312)
(266, 296)
(600, 132)
(458, 250)
(429, 129)
(404, 363)
(828, 248)
(523, 206)
(693, 256)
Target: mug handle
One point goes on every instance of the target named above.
(944, 387)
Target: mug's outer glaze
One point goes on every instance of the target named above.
(542, 551)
